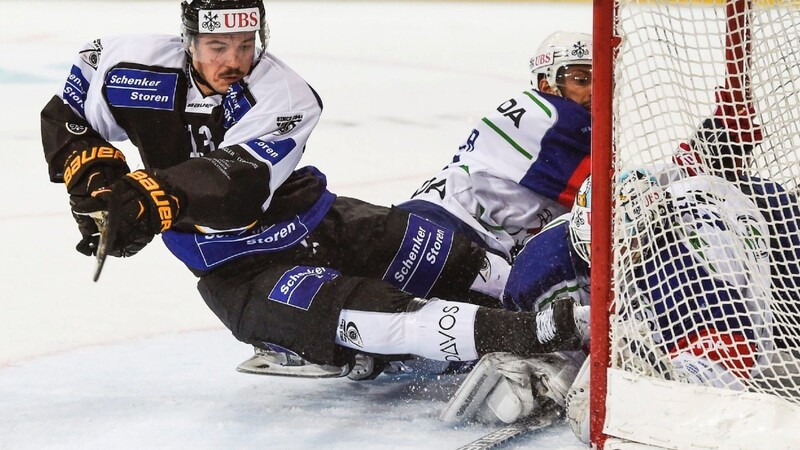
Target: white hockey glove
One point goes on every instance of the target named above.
(504, 387)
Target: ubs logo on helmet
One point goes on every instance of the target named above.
(541, 60)
(230, 20)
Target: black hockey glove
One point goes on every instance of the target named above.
(138, 206)
(88, 171)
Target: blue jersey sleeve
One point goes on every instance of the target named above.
(543, 271)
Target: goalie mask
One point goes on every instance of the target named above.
(580, 224)
(221, 17)
(556, 53)
(641, 204)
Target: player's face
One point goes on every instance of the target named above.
(223, 59)
(575, 83)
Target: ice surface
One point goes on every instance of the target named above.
(137, 360)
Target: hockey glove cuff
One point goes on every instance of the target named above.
(139, 206)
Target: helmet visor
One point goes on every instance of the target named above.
(576, 74)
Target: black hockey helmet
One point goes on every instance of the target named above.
(223, 16)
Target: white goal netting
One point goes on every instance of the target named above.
(706, 258)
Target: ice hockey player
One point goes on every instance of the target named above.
(693, 224)
(521, 165)
(697, 250)
(554, 264)
(220, 125)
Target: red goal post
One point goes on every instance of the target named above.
(661, 67)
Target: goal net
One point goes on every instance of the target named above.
(697, 119)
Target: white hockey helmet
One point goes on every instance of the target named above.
(580, 224)
(557, 51)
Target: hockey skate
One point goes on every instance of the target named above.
(276, 360)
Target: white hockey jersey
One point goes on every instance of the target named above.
(241, 145)
(519, 168)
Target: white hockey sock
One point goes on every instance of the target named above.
(439, 330)
(493, 276)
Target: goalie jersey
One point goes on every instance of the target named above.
(703, 283)
(519, 168)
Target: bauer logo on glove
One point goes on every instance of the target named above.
(139, 207)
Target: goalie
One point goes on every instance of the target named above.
(697, 251)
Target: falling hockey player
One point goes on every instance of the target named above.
(522, 164)
(221, 125)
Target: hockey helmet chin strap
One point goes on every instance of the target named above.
(198, 77)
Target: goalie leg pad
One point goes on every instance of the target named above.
(488, 395)
(577, 403)
(473, 391)
(549, 375)
(508, 402)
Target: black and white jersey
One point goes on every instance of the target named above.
(226, 154)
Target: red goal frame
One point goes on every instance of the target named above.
(606, 42)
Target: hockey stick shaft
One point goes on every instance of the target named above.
(101, 219)
(503, 435)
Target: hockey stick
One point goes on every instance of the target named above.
(101, 219)
(503, 435)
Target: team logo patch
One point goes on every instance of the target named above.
(348, 332)
(287, 123)
(298, 286)
(92, 56)
(580, 49)
(229, 20)
(421, 257)
(76, 129)
(134, 88)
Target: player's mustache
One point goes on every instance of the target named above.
(232, 73)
